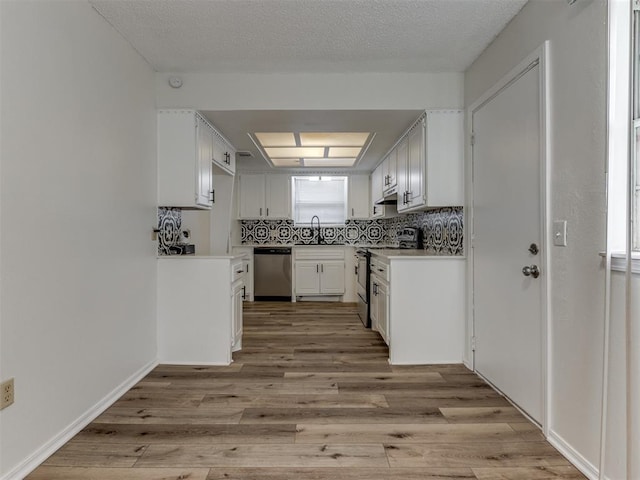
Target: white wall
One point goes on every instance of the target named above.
(577, 36)
(78, 194)
(312, 91)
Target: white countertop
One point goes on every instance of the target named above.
(202, 257)
(394, 253)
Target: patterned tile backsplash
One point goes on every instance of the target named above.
(442, 230)
(169, 224)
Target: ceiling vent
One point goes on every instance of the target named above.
(244, 154)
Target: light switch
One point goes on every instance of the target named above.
(560, 233)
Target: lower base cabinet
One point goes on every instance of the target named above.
(417, 304)
(319, 271)
(199, 309)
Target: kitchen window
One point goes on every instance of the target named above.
(324, 196)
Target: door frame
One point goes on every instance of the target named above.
(538, 57)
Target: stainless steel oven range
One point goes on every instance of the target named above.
(363, 274)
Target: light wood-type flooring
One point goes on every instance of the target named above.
(310, 397)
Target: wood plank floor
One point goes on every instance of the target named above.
(310, 397)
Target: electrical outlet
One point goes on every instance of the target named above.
(6, 393)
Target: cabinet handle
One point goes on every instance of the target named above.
(239, 271)
(213, 196)
(353, 212)
(247, 268)
(267, 211)
(317, 268)
(322, 268)
(260, 211)
(356, 270)
(244, 292)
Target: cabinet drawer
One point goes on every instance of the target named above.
(380, 270)
(319, 254)
(237, 270)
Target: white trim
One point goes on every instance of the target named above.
(41, 454)
(581, 463)
(539, 56)
(192, 363)
(619, 263)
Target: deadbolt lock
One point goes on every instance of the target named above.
(533, 249)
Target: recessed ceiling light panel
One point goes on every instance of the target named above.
(294, 152)
(341, 152)
(333, 139)
(276, 139)
(329, 162)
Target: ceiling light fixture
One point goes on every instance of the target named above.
(312, 149)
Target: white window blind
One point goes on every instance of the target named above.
(324, 196)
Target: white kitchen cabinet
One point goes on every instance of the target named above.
(319, 277)
(199, 309)
(319, 271)
(184, 160)
(376, 184)
(237, 297)
(379, 302)
(390, 171)
(430, 163)
(223, 153)
(265, 196)
(358, 197)
(251, 195)
(416, 300)
(278, 196)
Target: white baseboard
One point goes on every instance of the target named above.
(45, 451)
(581, 463)
(191, 363)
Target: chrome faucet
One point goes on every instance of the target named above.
(320, 240)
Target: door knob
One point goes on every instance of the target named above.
(531, 271)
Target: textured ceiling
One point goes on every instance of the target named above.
(265, 36)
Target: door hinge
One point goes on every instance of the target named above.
(473, 139)
(473, 344)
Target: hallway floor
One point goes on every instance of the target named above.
(310, 397)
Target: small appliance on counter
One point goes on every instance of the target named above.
(182, 249)
(410, 237)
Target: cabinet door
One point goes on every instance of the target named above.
(278, 196)
(332, 278)
(358, 196)
(204, 167)
(247, 263)
(376, 184)
(236, 316)
(383, 311)
(402, 174)
(373, 304)
(251, 189)
(416, 166)
(307, 277)
(223, 154)
(390, 170)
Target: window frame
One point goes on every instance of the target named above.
(345, 202)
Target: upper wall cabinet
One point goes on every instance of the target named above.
(224, 155)
(358, 197)
(265, 196)
(186, 150)
(430, 162)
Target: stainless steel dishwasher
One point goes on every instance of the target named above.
(272, 273)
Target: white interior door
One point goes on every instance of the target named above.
(508, 308)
